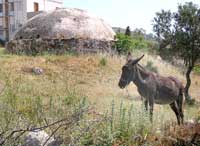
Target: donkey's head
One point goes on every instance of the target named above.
(129, 71)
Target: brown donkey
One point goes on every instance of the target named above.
(153, 87)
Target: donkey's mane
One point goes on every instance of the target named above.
(144, 69)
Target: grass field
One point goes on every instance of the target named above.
(94, 77)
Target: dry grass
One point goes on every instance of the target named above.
(83, 74)
(86, 76)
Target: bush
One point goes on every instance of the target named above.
(139, 44)
(150, 67)
(124, 43)
(103, 61)
(197, 69)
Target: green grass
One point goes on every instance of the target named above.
(2, 51)
(103, 61)
(197, 69)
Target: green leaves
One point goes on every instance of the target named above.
(127, 43)
(187, 33)
(162, 24)
(124, 43)
(182, 39)
(179, 32)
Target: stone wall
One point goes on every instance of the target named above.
(57, 46)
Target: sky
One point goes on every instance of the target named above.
(123, 13)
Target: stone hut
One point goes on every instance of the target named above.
(62, 30)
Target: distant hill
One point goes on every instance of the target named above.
(119, 29)
(149, 36)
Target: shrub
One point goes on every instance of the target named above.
(124, 43)
(197, 69)
(103, 61)
(139, 44)
(150, 67)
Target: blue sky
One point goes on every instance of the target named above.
(122, 13)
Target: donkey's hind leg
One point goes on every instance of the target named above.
(174, 107)
(180, 106)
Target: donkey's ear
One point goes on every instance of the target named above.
(137, 60)
(129, 56)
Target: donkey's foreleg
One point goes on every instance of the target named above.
(151, 105)
(146, 104)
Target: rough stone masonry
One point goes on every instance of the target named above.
(62, 30)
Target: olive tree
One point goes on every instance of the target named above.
(178, 34)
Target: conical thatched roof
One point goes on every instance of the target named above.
(66, 24)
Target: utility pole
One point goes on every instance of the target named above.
(7, 19)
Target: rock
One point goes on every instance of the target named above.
(159, 58)
(37, 70)
(38, 139)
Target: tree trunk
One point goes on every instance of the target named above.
(188, 83)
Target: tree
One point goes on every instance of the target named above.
(128, 31)
(139, 32)
(161, 26)
(180, 31)
(123, 43)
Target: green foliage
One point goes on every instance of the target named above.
(18, 112)
(150, 67)
(162, 24)
(126, 43)
(197, 69)
(187, 32)
(139, 33)
(119, 126)
(182, 38)
(103, 61)
(139, 43)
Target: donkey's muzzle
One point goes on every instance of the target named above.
(120, 84)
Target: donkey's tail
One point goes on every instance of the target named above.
(182, 92)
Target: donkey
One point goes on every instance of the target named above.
(153, 88)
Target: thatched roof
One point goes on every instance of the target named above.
(66, 24)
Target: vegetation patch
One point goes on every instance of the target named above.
(149, 66)
(103, 61)
(78, 88)
(197, 69)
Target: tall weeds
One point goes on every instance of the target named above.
(123, 126)
(20, 115)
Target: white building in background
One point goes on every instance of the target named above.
(14, 13)
(43, 5)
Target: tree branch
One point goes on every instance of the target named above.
(74, 117)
